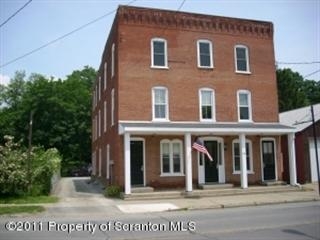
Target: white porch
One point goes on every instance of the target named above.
(128, 129)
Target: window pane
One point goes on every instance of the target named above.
(160, 111)
(206, 112)
(237, 163)
(160, 96)
(206, 97)
(176, 157)
(241, 59)
(205, 60)
(243, 99)
(158, 53)
(248, 156)
(165, 158)
(244, 113)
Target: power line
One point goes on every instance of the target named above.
(62, 37)
(181, 5)
(297, 63)
(308, 75)
(15, 13)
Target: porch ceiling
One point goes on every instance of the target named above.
(200, 128)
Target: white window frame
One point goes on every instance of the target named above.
(247, 59)
(171, 173)
(105, 116)
(100, 163)
(112, 107)
(112, 59)
(249, 105)
(166, 118)
(108, 162)
(165, 53)
(211, 53)
(105, 76)
(99, 124)
(99, 88)
(213, 108)
(249, 171)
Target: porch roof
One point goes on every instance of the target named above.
(199, 128)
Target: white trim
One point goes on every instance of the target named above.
(166, 104)
(210, 51)
(105, 76)
(171, 166)
(275, 157)
(144, 156)
(213, 107)
(250, 171)
(112, 59)
(99, 88)
(165, 53)
(243, 161)
(127, 164)
(105, 116)
(100, 162)
(112, 107)
(108, 162)
(247, 59)
(99, 123)
(248, 93)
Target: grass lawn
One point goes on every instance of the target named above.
(20, 209)
(29, 199)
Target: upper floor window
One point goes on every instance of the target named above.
(112, 107)
(236, 156)
(205, 59)
(159, 56)
(112, 59)
(207, 106)
(171, 157)
(242, 59)
(160, 103)
(99, 88)
(105, 76)
(244, 106)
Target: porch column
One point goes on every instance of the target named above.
(243, 161)
(188, 156)
(292, 159)
(127, 167)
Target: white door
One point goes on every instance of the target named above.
(313, 163)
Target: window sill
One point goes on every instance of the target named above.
(160, 120)
(172, 175)
(244, 72)
(245, 121)
(160, 67)
(238, 172)
(206, 67)
(207, 120)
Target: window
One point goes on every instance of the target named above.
(207, 108)
(105, 76)
(159, 57)
(99, 88)
(112, 60)
(112, 107)
(244, 105)
(171, 158)
(242, 59)
(236, 156)
(100, 162)
(205, 54)
(105, 116)
(160, 103)
(99, 124)
(108, 162)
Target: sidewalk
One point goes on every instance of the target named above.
(310, 194)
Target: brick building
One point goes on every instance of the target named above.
(167, 78)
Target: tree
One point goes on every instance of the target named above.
(62, 113)
(291, 91)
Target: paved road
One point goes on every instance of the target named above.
(299, 221)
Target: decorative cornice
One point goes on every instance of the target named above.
(192, 21)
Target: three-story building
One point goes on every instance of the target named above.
(167, 78)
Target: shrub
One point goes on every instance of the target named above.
(113, 191)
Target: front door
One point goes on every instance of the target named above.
(136, 158)
(268, 160)
(211, 173)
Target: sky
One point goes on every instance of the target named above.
(296, 36)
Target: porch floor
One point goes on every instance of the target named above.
(215, 192)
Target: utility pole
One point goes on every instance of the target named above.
(29, 149)
(315, 146)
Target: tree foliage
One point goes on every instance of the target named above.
(62, 110)
(295, 92)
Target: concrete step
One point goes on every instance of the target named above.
(216, 186)
(273, 183)
(198, 193)
(142, 189)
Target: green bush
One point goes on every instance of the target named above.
(112, 191)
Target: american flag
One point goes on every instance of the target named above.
(199, 146)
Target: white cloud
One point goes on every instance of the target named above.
(4, 79)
